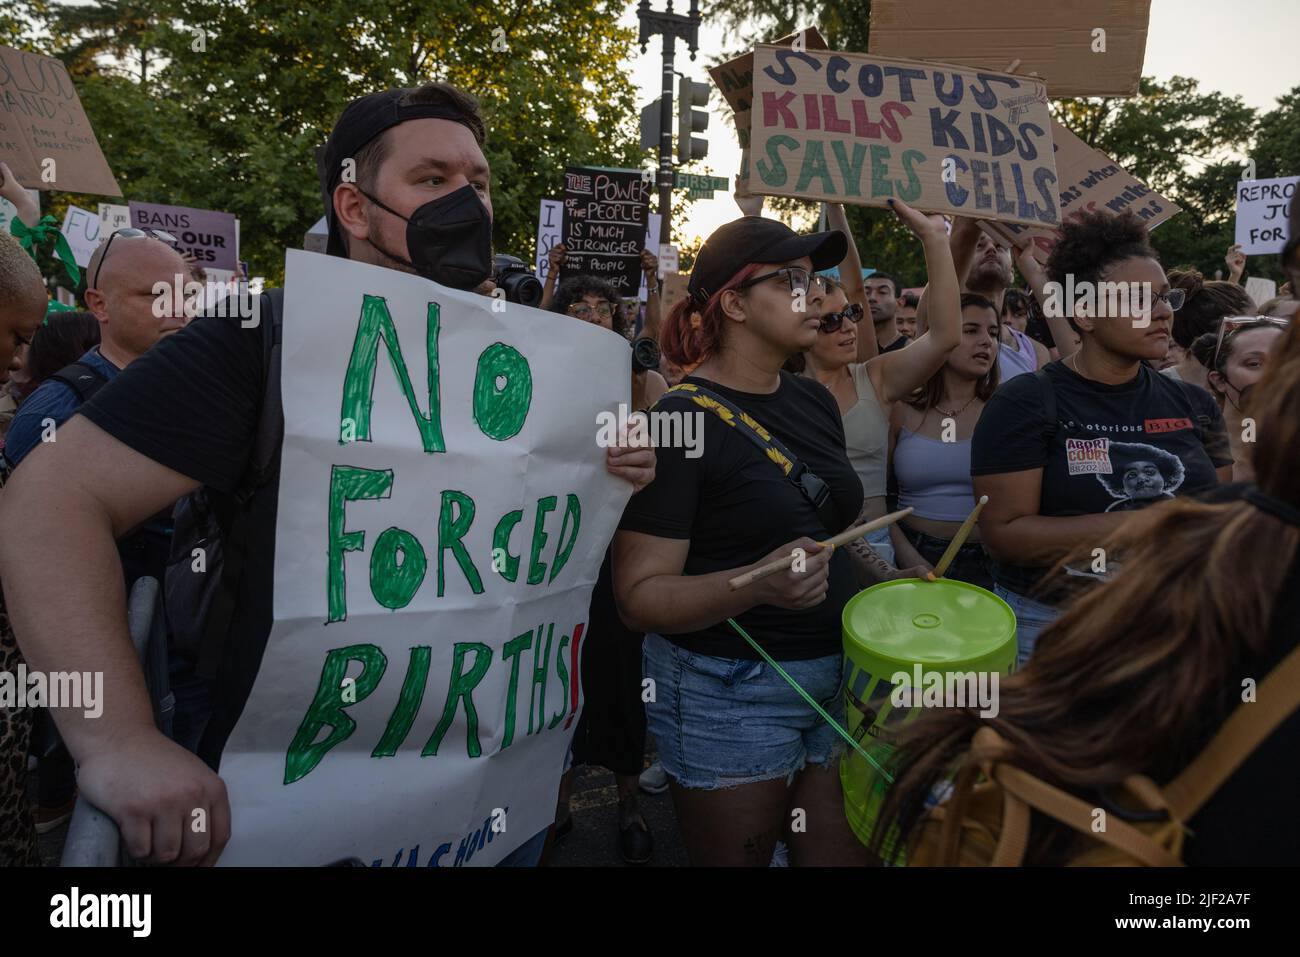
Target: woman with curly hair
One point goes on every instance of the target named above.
(1052, 448)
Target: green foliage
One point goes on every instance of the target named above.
(228, 118)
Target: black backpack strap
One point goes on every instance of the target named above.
(82, 379)
(261, 466)
(812, 488)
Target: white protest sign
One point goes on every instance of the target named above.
(81, 230)
(8, 210)
(1260, 290)
(1263, 206)
(652, 227)
(668, 259)
(444, 510)
(549, 220)
(113, 217)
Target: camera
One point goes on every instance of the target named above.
(514, 277)
(645, 354)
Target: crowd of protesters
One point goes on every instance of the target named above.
(964, 384)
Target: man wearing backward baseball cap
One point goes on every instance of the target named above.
(406, 186)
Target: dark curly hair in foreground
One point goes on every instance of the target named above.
(574, 289)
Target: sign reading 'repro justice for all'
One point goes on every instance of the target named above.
(855, 128)
(606, 212)
(1263, 212)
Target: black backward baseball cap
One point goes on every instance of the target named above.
(757, 239)
(360, 122)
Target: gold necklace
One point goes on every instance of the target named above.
(954, 415)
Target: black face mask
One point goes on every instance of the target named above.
(449, 239)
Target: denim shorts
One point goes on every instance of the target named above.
(722, 722)
(882, 545)
(1032, 619)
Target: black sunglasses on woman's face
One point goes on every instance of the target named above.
(834, 321)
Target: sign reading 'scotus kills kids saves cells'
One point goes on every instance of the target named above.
(444, 510)
(606, 212)
(853, 128)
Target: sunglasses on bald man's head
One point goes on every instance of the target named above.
(129, 232)
(834, 321)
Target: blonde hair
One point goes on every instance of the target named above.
(21, 285)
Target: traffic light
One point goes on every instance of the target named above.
(691, 94)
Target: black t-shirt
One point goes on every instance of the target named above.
(736, 506)
(1111, 448)
(899, 343)
(192, 403)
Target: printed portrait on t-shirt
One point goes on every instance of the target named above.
(1140, 475)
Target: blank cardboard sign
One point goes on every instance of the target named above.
(1054, 41)
(41, 119)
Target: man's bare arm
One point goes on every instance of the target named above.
(62, 512)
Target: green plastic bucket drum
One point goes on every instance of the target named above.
(942, 626)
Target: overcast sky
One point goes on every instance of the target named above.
(1246, 48)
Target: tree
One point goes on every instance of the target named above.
(241, 92)
(121, 28)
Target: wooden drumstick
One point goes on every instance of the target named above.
(843, 538)
(958, 541)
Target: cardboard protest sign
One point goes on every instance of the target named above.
(1077, 47)
(548, 234)
(212, 237)
(673, 290)
(735, 78)
(1089, 181)
(81, 229)
(444, 511)
(1263, 211)
(113, 217)
(856, 128)
(45, 136)
(8, 211)
(606, 212)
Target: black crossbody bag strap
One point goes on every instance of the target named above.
(813, 489)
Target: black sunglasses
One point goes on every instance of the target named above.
(129, 232)
(832, 323)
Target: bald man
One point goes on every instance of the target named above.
(124, 272)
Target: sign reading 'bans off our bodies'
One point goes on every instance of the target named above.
(209, 236)
(854, 128)
(444, 510)
(606, 212)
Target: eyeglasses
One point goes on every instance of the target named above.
(834, 321)
(1234, 324)
(584, 312)
(129, 232)
(800, 280)
(1174, 298)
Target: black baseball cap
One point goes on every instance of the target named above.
(757, 239)
(360, 122)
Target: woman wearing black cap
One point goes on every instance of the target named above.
(734, 737)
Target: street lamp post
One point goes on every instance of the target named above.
(671, 26)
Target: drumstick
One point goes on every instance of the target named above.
(843, 538)
(958, 541)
